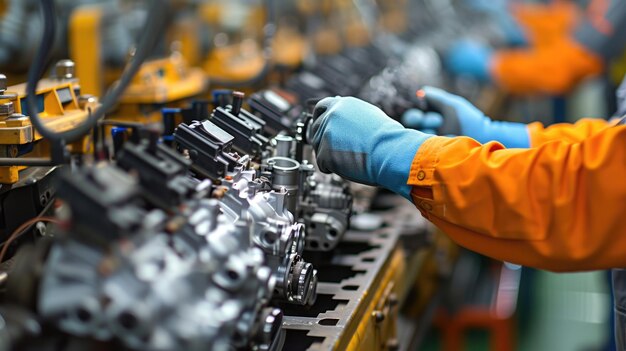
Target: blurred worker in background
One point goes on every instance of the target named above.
(561, 50)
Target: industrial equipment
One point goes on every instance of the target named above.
(171, 218)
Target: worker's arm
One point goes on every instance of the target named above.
(449, 114)
(559, 206)
(566, 132)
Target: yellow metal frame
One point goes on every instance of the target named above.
(369, 331)
(85, 45)
(57, 115)
(168, 81)
(237, 62)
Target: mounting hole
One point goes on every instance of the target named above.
(232, 274)
(314, 244)
(83, 315)
(326, 246)
(270, 238)
(312, 225)
(350, 287)
(328, 321)
(127, 320)
(333, 233)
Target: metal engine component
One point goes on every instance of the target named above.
(269, 202)
(189, 282)
(285, 175)
(276, 108)
(245, 127)
(208, 147)
(162, 173)
(275, 231)
(325, 209)
(322, 202)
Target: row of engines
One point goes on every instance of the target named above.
(192, 239)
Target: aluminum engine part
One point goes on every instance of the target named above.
(325, 209)
(274, 231)
(189, 282)
(285, 175)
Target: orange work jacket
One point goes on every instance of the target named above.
(553, 69)
(560, 205)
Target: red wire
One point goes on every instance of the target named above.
(19, 230)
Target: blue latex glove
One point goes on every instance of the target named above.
(449, 114)
(469, 58)
(358, 141)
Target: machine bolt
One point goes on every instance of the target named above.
(393, 299)
(4, 277)
(393, 344)
(379, 316)
(3, 83)
(6, 109)
(65, 69)
(86, 100)
(41, 229)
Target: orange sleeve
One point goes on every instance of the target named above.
(560, 206)
(565, 132)
(552, 69)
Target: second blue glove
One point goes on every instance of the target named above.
(466, 119)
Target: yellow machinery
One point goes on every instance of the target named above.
(60, 106)
(393, 17)
(85, 44)
(163, 82)
(87, 31)
(167, 81)
(238, 55)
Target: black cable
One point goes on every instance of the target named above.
(269, 30)
(155, 23)
(27, 161)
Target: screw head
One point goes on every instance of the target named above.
(65, 69)
(379, 316)
(87, 100)
(3, 83)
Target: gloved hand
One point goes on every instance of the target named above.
(358, 141)
(469, 58)
(449, 114)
